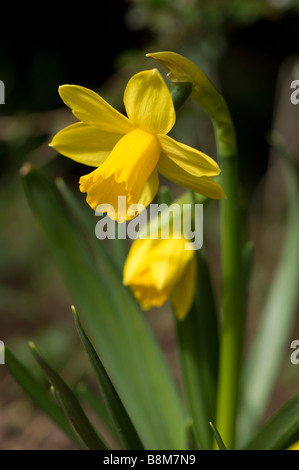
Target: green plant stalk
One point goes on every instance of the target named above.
(179, 70)
(232, 328)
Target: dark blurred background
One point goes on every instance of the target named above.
(239, 44)
(248, 49)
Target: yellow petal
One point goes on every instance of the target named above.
(150, 189)
(124, 173)
(182, 294)
(137, 274)
(148, 296)
(200, 184)
(138, 252)
(101, 192)
(191, 160)
(154, 267)
(154, 262)
(84, 143)
(294, 446)
(92, 109)
(168, 261)
(148, 102)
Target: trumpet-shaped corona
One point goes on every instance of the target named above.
(129, 151)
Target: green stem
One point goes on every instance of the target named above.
(232, 329)
(181, 70)
(231, 343)
(179, 93)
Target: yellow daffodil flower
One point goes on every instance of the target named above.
(294, 446)
(130, 151)
(157, 269)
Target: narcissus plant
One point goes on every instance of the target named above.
(130, 151)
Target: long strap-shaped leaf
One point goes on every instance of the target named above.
(267, 352)
(114, 323)
(218, 438)
(121, 422)
(71, 405)
(280, 431)
(37, 393)
(197, 337)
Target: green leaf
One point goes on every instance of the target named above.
(95, 403)
(37, 393)
(198, 340)
(112, 319)
(191, 439)
(267, 351)
(280, 431)
(218, 438)
(71, 405)
(164, 196)
(121, 423)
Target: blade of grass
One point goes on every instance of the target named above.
(280, 431)
(121, 423)
(57, 399)
(95, 403)
(191, 439)
(71, 405)
(218, 438)
(37, 393)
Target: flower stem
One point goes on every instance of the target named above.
(179, 93)
(232, 328)
(180, 70)
(231, 342)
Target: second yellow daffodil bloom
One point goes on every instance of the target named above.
(158, 269)
(294, 446)
(130, 151)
